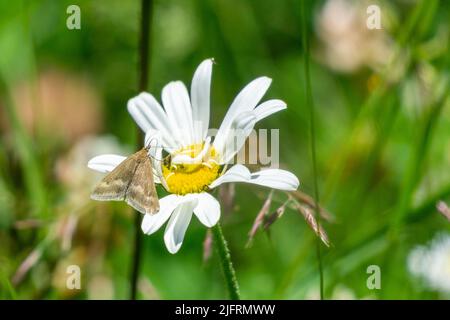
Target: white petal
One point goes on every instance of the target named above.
(187, 159)
(237, 173)
(207, 209)
(152, 138)
(105, 163)
(176, 102)
(235, 137)
(272, 178)
(267, 108)
(275, 179)
(200, 96)
(149, 114)
(246, 100)
(178, 223)
(152, 222)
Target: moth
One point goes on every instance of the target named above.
(131, 181)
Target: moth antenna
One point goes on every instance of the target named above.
(149, 145)
(160, 177)
(147, 148)
(155, 158)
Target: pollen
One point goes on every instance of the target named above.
(184, 178)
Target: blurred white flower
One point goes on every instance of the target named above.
(71, 168)
(432, 263)
(340, 292)
(348, 44)
(197, 164)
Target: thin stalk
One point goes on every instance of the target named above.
(225, 260)
(310, 104)
(144, 40)
(137, 253)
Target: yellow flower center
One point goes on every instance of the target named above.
(184, 178)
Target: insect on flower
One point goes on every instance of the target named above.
(196, 163)
(132, 181)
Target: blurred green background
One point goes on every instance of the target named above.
(383, 144)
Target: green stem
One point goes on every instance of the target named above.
(137, 254)
(144, 40)
(310, 104)
(225, 260)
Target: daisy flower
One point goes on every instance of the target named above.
(196, 163)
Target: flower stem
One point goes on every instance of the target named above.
(310, 104)
(225, 260)
(137, 244)
(144, 40)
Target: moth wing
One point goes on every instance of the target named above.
(141, 193)
(115, 184)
